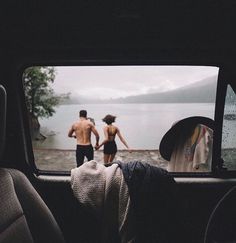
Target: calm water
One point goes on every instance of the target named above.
(142, 125)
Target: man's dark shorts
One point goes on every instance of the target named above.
(83, 151)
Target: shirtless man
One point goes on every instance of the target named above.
(81, 130)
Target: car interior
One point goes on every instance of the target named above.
(39, 205)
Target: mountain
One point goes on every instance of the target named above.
(203, 91)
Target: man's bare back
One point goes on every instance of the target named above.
(81, 130)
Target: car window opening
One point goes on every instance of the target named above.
(228, 148)
(128, 113)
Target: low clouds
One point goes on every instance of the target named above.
(121, 81)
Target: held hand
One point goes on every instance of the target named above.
(97, 147)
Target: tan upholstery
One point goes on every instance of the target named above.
(24, 217)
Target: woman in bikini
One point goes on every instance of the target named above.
(109, 143)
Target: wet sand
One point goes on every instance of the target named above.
(64, 160)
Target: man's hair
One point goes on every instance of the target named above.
(83, 113)
(109, 119)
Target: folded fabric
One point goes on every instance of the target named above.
(134, 200)
(154, 203)
(104, 191)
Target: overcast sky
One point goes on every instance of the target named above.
(120, 81)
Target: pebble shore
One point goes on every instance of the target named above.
(64, 160)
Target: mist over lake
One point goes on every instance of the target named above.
(142, 125)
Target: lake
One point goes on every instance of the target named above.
(142, 125)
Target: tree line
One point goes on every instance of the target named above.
(40, 97)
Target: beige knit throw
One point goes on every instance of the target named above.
(104, 191)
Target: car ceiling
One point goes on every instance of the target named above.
(131, 24)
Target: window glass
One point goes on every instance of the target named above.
(228, 152)
(146, 101)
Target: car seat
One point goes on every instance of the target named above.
(24, 216)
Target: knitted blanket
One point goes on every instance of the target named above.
(104, 191)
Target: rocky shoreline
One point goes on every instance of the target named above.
(64, 160)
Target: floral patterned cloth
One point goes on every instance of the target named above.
(196, 154)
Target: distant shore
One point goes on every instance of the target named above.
(64, 160)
